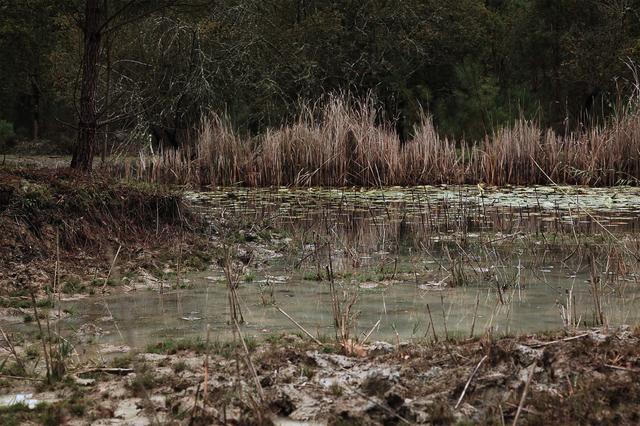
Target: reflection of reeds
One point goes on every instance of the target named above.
(235, 311)
(595, 292)
(343, 142)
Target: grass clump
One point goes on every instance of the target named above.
(179, 367)
(47, 414)
(73, 285)
(198, 345)
(173, 346)
(249, 277)
(16, 414)
(311, 276)
(143, 382)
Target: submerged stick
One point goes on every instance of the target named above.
(42, 337)
(298, 325)
(206, 365)
(444, 318)
(107, 370)
(115, 258)
(366, 337)
(28, 379)
(475, 315)
(435, 336)
(566, 339)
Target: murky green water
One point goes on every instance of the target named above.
(148, 317)
(517, 253)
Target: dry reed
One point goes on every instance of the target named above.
(347, 142)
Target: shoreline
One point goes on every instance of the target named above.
(587, 376)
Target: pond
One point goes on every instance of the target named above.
(425, 262)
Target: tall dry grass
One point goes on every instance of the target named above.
(347, 142)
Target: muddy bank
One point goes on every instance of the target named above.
(587, 377)
(60, 228)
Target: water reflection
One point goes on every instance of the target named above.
(509, 262)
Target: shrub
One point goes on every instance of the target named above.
(7, 137)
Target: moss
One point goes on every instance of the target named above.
(32, 352)
(43, 413)
(328, 349)
(12, 369)
(307, 371)
(198, 345)
(35, 196)
(50, 414)
(16, 302)
(274, 338)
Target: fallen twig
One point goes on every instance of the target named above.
(12, 349)
(524, 393)
(567, 339)
(117, 371)
(466, 386)
(617, 367)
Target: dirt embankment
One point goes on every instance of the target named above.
(586, 378)
(50, 217)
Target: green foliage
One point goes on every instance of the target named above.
(7, 136)
(198, 345)
(473, 64)
(172, 346)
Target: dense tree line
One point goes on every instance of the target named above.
(472, 64)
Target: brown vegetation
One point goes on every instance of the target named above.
(344, 142)
(587, 378)
(85, 220)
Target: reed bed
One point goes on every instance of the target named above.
(347, 142)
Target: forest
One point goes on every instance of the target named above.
(319, 212)
(160, 66)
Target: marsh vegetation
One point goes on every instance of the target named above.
(319, 212)
(342, 141)
(347, 294)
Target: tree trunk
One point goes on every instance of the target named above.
(107, 49)
(35, 98)
(87, 123)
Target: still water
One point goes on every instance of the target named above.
(458, 259)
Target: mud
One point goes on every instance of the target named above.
(57, 227)
(585, 378)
